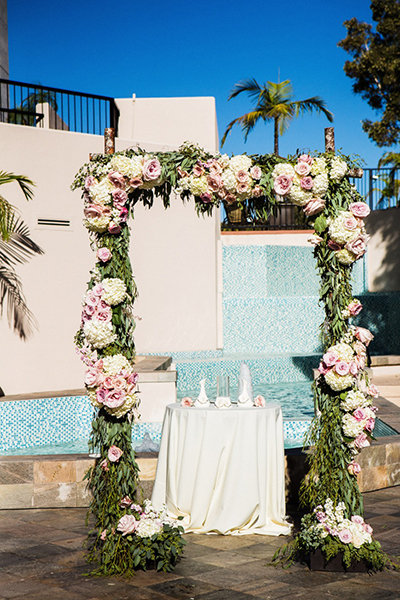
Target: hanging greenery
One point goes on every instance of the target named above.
(123, 539)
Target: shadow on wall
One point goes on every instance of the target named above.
(384, 250)
(381, 315)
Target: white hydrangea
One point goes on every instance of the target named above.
(353, 400)
(148, 527)
(344, 351)
(318, 166)
(99, 334)
(283, 169)
(321, 184)
(229, 180)
(130, 167)
(338, 170)
(338, 382)
(299, 196)
(345, 257)
(351, 427)
(100, 192)
(198, 185)
(337, 230)
(131, 401)
(240, 162)
(112, 365)
(114, 290)
(99, 224)
(223, 160)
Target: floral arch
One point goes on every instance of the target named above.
(126, 535)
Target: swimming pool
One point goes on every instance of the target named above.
(61, 425)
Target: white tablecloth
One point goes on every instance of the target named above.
(223, 469)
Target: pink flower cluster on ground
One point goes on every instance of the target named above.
(331, 520)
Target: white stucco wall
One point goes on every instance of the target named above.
(173, 255)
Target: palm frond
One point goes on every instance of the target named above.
(18, 247)
(309, 104)
(247, 121)
(280, 92)
(250, 86)
(390, 158)
(24, 183)
(19, 317)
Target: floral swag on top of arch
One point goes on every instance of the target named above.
(126, 535)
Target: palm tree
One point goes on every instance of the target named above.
(273, 101)
(392, 184)
(16, 247)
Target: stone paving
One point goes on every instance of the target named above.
(41, 558)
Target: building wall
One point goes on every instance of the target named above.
(384, 250)
(174, 255)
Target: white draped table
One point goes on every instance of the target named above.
(223, 470)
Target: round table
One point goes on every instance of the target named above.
(223, 470)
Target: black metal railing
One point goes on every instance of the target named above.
(380, 187)
(54, 108)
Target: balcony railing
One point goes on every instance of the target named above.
(380, 187)
(54, 108)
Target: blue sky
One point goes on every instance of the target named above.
(182, 48)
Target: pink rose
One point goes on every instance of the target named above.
(363, 335)
(330, 358)
(357, 246)
(242, 176)
(133, 377)
(345, 536)
(357, 519)
(92, 211)
(119, 383)
(104, 465)
(256, 191)
(125, 502)
(306, 158)
(230, 198)
(342, 368)
(215, 182)
(92, 299)
(373, 391)
(114, 228)
(103, 535)
(90, 180)
(302, 168)
(361, 441)
(123, 215)
(100, 395)
(114, 398)
(359, 209)
(152, 169)
(186, 402)
(314, 206)
(354, 468)
(127, 524)
(103, 254)
(108, 383)
(114, 453)
(354, 368)
(334, 245)
(367, 528)
(135, 182)
(206, 197)
(307, 183)
(97, 289)
(370, 424)
(104, 314)
(242, 187)
(315, 239)
(198, 170)
(359, 348)
(259, 401)
(350, 224)
(282, 185)
(119, 198)
(256, 172)
(92, 377)
(323, 369)
(90, 310)
(354, 308)
(117, 179)
(215, 168)
(321, 516)
(359, 414)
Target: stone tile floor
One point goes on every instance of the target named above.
(41, 558)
